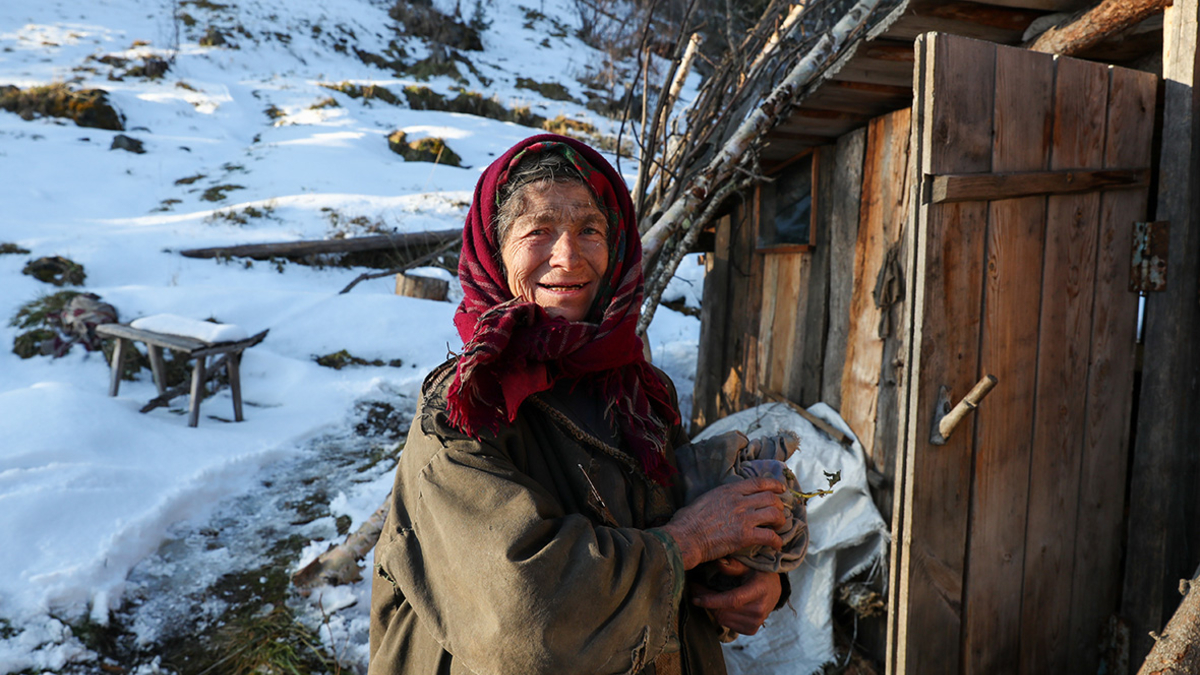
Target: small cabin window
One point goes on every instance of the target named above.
(788, 207)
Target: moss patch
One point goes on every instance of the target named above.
(366, 92)
(242, 217)
(428, 149)
(9, 248)
(551, 90)
(470, 103)
(213, 37)
(216, 193)
(36, 342)
(190, 179)
(56, 270)
(88, 108)
(341, 359)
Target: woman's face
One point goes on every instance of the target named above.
(556, 251)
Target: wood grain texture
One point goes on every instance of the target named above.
(978, 187)
(1164, 511)
(844, 201)
(884, 208)
(784, 300)
(893, 372)
(1004, 422)
(714, 308)
(1096, 579)
(1064, 348)
(897, 614)
(808, 366)
(948, 287)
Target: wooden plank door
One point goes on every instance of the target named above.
(1008, 547)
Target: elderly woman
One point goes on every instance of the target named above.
(536, 523)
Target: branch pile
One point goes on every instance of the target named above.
(689, 165)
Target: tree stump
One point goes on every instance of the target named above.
(427, 288)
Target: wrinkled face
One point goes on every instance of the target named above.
(556, 252)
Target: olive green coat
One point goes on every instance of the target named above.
(532, 551)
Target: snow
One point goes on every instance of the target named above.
(98, 500)
(172, 324)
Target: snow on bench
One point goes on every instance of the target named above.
(194, 340)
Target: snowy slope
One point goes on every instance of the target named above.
(90, 487)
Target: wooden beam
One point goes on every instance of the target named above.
(969, 19)
(1164, 531)
(993, 186)
(1087, 28)
(382, 242)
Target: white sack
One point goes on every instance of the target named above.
(847, 536)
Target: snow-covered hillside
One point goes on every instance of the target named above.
(117, 522)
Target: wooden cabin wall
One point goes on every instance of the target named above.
(785, 347)
(873, 368)
(807, 323)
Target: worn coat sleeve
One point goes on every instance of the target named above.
(506, 581)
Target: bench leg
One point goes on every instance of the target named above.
(235, 382)
(157, 368)
(118, 355)
(197, 392)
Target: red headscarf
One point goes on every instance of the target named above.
(514, 349)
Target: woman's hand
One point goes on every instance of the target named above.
(729, 518)
(745, 608)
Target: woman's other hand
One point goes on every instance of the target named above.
(729, 518)
(742, 609)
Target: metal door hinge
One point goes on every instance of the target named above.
(1148, 266)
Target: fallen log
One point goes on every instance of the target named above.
(1087, 28)
(1177, 650)
(339, 564)
(287, 249)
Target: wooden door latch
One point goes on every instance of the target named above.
(945, 418)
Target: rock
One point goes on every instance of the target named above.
(89, 108)
(123, 142)
(428, 149)
(56, 270)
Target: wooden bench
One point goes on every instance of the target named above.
(191, 348)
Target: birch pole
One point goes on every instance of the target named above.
(758, 122)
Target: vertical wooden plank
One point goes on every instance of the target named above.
(844, 201)
(714, 321)
(948, 281)
(1096, 579)
(752, 266)
(914, 225)
(745, 292)
(771, 302)
(1164, 523)
(1004, 423)
(735, 336)
(894, 366)
(1064, 348)
(883, 200)
(813, 323)
(797, 274)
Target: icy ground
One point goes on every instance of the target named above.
(119, 523)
